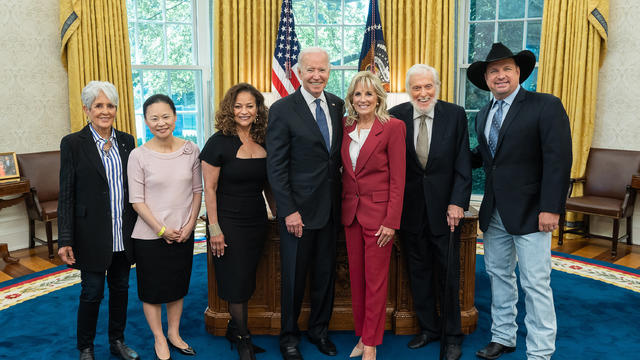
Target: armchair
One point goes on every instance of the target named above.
(43, 171)
(607, 192)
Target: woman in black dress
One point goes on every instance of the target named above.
(235, 174)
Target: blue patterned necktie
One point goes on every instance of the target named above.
(496, 122)
(321, 119)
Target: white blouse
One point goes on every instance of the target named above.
(356, 144)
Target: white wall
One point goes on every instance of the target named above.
(617, 123)
(34, 111)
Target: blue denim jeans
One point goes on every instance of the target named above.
(532, 253)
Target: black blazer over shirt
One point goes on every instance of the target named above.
(84, 208)
(304, 176)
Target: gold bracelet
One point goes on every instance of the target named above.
(161, 232)
(214, 229)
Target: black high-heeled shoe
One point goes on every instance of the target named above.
(245, 348)
(232, 336)
(188, 351)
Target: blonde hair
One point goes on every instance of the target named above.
(368, 80)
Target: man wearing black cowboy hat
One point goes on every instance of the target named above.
(524, 145)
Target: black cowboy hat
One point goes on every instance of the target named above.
(525, 60)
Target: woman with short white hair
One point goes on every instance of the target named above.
(94, 219)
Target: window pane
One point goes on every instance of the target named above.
(306, 36)
(149, 10)
(511, 34)
(179, 42)
(137, 90)
(186, 127)
(511, 9)
(141, 129)
(532, 81)
(356, 11)
(151, 44)
(480, 40)
(154, 82)
(304, 12)
(534, 29)
(478, 176)
(535, 8)
(334, 84)
(348, 76)
(183, 90)
(330, 39)
(482, 10)
(474, 98)
(179, 10)
(330, 12)
(352, 44)
(132, 41)
(131, 14)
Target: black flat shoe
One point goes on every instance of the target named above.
(420, 340)
(232, 336)
(119, 349)
(494, 350)
(245, 348)
(325, 345)
(188, 351)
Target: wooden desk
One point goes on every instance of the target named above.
(19, 187)
(264, 306)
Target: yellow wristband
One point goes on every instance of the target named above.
(161, 232)
(214, 229)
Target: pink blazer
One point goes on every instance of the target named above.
(374, 191)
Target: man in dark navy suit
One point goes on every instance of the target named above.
(303, 158)
(524, 144)
(437, 191)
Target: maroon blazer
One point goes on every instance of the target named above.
(374, 191)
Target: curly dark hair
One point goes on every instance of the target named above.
(225, 118)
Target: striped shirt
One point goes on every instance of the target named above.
(113, 169)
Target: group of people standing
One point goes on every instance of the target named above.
(374, 172)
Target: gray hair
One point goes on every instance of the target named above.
(312, 50)
(94, 88)
(422, 69)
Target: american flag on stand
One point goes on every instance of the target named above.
(373, 56)
(284, 78)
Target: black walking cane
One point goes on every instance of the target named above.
(444, 313)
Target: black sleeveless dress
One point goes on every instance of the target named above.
(242, 216)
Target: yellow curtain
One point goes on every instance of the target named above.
(573, 47)
(244, 39)
(95, 46)
(420, 31)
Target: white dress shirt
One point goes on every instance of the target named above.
(309, 99)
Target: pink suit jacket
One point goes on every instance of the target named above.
(374, 191)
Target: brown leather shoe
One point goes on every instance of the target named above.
(494, 350)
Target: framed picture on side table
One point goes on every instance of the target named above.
(9, 166)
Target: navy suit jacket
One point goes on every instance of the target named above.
(303, 175)
(84, 206)
(447, 176)
(530, 171)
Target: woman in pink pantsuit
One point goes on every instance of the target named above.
(373, 159)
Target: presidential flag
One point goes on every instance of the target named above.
(284, 77)
(373, 56)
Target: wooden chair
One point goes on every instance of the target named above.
(43, 171)
(607, 192)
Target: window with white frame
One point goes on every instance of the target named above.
(165, 59)
(338, 27)
(515, 23)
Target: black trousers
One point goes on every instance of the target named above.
(91, 295)
(314, 252)
(426, 258)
